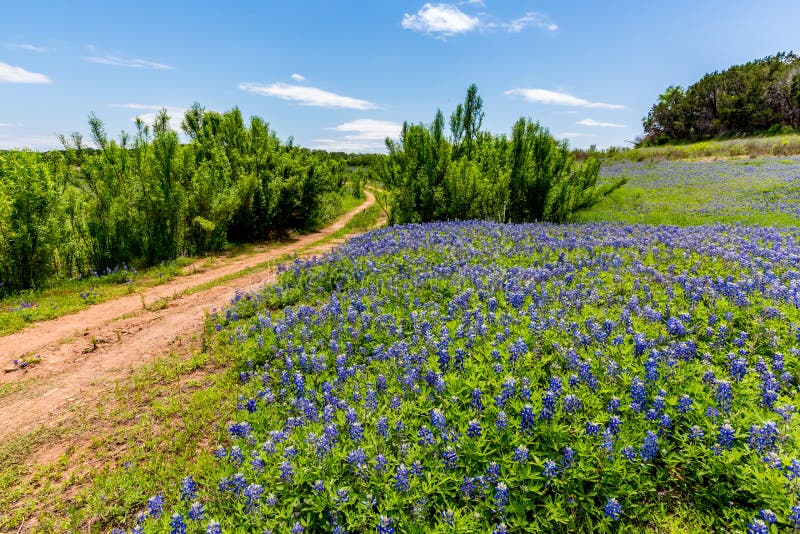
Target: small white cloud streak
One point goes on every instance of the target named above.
(12, 74)
(298, 77)
(364, 135)
(30, 47)
(574, 135)
(344, 145)
(442, 19)
(144, 107)
(543, 96)
(598, 124)
(369, 129)
(175, 114)
(11, 125)
(530, 19)
(133, 63)
(307, 96)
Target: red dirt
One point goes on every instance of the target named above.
(84, 353)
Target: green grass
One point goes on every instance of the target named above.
(762, 191)
(780, 145)
(68, 296)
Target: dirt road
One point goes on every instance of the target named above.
(86, 352)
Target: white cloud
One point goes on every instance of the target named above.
(543, 96)
(30, 47)
(11, 74)
(32, 142)
(574, 135)
(598, 124)
(11, 125)
(298, 77)
(175, 113)
(134, 63)
(145, 107)
(344, 145)
(307, 96)
(530, 19)
(364, 135)
(369, 129)
(442, 19)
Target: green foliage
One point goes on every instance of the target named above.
(477, 175)
(759, 96)
(146, 198)
(29, 225)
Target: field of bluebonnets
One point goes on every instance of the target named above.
(474, 377)
(750, 191)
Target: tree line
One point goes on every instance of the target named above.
(762, 96)
(146, 197)
(463, 172)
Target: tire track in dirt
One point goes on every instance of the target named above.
(84, 353)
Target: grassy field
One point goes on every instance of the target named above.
(749, 147)
(763, 191)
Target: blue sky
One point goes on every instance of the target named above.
(342, 75)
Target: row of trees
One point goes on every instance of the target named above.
(146, 197)
(762, 96)
(473, 174)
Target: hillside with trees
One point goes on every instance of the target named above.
(762, 96)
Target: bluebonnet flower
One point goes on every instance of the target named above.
(475, 401)
(684, 404)
(550, 470)
(724, 395)
(501, 496)
(726, 436)
(628, 453)
(177, 525)
(155, 506)
(528, 418)
(502, 420)
(449, 458)
(695, 432)
(794, 517)
(287, 471)
(383, 426)
(757, 526)
(567, 457)
(675, 327)
(318, 486)
(342, 496)
(438, 420)
(188, 489)
(196, 512)
(253, 493)
(473, 429)
(521, 454)
(385, 525)
(236, 456)
(649, 448)
(768, 516)
(612, 509)
(448, 517)
(298, 528)
(592, 429)
(571, 404)
(401, 479)
(213, 528)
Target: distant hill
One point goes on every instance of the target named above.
(762, 96)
